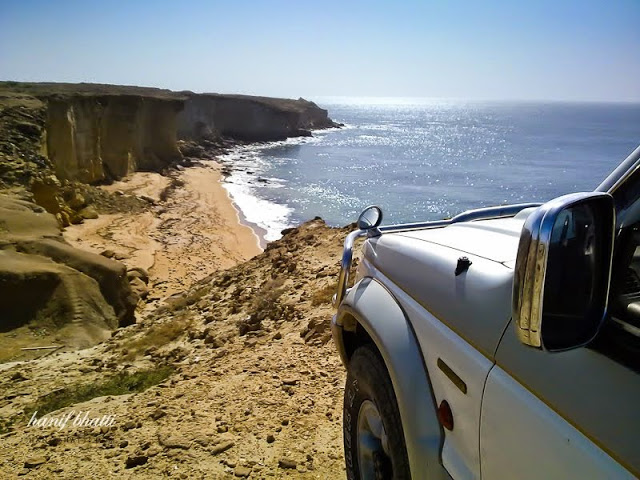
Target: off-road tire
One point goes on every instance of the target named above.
(368, 379)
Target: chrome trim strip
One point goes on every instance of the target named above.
(345, 267)
(621, 174)
(468, 216)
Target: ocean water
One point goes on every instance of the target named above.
(430, 159)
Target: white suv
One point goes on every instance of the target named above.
(501, 344)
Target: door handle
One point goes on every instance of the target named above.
(451, 375)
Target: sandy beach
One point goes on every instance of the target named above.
(192, 230)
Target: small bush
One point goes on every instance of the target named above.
(266, 298)
(119, 384)
(324, 295)
(265, 305)
(157, 335)
(183, 301)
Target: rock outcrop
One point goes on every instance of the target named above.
(248, 118)
(96, 138)
(46, 282)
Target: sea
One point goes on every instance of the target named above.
(428, 159)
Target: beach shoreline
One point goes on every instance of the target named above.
(258, 231)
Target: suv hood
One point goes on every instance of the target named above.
(477, 302)
(495, 239)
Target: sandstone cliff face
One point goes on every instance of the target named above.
(248, 118)
(91, 133)
(43, 280)
(93, 138)
(96, 138)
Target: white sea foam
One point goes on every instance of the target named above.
(248, 164)
(270, 216)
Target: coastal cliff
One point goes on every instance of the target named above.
(93, 138)
(248, 118)
(99, 133)
(58, 141)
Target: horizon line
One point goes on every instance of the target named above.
(379, 99)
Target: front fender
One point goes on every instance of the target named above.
(371, 306)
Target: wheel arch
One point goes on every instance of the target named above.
(370, 314)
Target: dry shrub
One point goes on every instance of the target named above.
(267, 297)
(264, 305)
(119, 384)
(158, 335)
(184, 300)
(324, 295)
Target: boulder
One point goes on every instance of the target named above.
(22, 220)
(110, 274)
(88, 213)
(37, 262)
(140, 273)
(76, 200)
(138, 287)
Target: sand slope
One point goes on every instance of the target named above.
(192, 233)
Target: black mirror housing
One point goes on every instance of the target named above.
(370, 219)
(563, 271)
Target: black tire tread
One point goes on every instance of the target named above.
(367, 368)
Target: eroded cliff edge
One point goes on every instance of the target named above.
(248, 118)
(96, 133)
(92, 138)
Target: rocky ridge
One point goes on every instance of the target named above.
(256, 391)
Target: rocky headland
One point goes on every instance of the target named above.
(58, 142)
(211, 355)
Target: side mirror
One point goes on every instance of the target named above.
(563, 271)
(369, 220)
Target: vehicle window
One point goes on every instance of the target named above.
(620, 336)
(569, 298)
(627, 200)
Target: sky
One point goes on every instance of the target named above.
(490, 49)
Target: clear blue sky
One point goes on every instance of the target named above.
(510, 49)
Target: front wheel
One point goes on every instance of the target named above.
(374, 445)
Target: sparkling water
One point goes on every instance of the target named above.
(430, 159)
